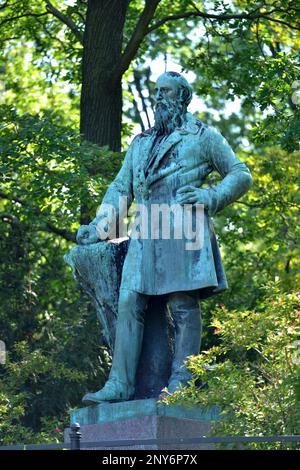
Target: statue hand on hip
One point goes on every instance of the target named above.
(192, 195)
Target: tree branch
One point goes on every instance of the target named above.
(5, 4)
(80, 16)
(54, 38)
(267, 203)
(223, 17)
(137, 113)
(289, 25)
(147, 83)
(255, 205)
(10, 218)
(24, 15)
(52, 10)
(9, 38)
(275, 51)
(260, 45)
(49, 227)
(70, 236)
(135, 41)
(11, 198)
(137, 83)
(64, 19)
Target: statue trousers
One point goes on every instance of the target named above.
(185, 311)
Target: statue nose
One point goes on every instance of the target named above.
(158, 95)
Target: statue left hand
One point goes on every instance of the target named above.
(87, 234)
(192, 195)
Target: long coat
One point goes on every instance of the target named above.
(185, 157)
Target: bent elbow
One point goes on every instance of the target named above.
(245, 182)
(248, 180)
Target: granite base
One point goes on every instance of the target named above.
(142, 419)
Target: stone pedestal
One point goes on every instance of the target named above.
(143, 419)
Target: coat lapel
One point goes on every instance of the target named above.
(143, 182)
(144, 152)
(172, 140)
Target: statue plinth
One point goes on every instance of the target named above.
(143, 419)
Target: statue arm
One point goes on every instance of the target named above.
(236, 175)
(118, 197)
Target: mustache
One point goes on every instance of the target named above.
(166, 104)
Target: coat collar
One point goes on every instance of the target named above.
(166, 145)
(188, 127)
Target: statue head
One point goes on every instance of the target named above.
(173, 95)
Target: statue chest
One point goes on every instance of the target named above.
(176, 162)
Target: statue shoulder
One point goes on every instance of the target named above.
(194, 125)
(145, 133)
(201, 126)
(214, 134)
(136, 139)
(142, 135)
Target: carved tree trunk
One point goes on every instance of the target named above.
(98, 268)
(101, 100)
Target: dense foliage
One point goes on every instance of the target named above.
(253, 374)
(246, 69)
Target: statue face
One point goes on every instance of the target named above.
(168, 108)
(166, 88)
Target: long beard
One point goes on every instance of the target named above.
(167, 116)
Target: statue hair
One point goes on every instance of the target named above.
(185, 89)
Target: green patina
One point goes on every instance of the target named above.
(107, 412)
(167, 165)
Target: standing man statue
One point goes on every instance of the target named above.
(166, 165)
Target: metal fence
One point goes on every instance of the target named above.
(76, 443)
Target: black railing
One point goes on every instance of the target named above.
(76, 444)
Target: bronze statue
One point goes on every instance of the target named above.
(166, 165)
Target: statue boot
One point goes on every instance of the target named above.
(128, 344)
(188, 330)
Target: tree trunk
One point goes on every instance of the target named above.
(101, 102)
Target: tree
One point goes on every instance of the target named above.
(101, 27)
